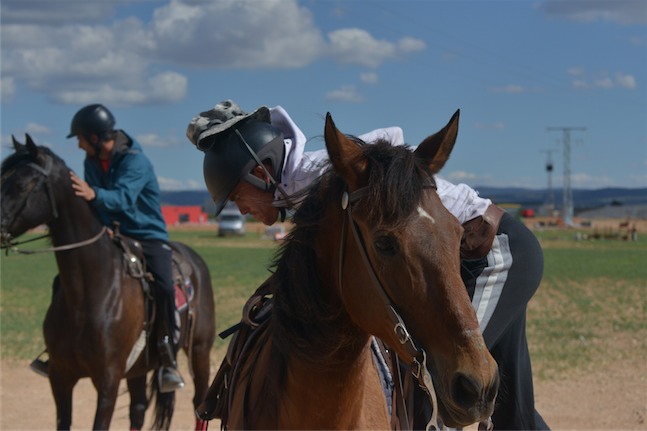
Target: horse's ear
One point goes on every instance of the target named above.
(17, 145)
(435, 149)
(31, 146)
(345, 155)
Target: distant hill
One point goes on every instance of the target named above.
(583, 198)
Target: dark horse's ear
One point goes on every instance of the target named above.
(345, 155)
(17, 145)
(31, 146)
(436, 148)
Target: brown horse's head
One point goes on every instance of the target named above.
(410, 243)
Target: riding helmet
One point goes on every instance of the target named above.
(235, 153)
(92, 119)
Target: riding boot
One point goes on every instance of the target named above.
(169, 376)
(40, 366)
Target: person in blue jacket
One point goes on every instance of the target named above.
(120, 183)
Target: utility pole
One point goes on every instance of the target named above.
(550, 203)
(567, 208)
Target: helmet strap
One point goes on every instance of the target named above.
(265, 186)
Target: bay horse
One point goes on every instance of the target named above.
(99, 313)
(373, 253)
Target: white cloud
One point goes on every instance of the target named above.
(7, 89)
(576, 71)
(357, 46)
(347, 93)
(618, 11)
(603, 80)
(84, 54)
(171, 184)
(625, 81)
(35, 128)
(459, 176)
(154, 140)
(409, 44)
(237, 34)
(369, 78)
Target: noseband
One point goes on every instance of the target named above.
(417, 356)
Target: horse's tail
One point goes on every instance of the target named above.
(164, 404)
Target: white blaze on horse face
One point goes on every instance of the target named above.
(425, 214)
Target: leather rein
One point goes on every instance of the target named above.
(417, 357)
(12, 245)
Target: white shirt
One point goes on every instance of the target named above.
(301, 168)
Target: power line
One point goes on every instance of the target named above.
(550, 202)
(567, 207)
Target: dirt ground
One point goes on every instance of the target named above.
(613, 398)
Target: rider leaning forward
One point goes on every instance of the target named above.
(257, 160)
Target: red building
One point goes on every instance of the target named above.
(175, 215)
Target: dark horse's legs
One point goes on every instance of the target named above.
(138, 401)
(107, 389)
(62, 388)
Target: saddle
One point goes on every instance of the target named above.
(248, 337)
(135, 264)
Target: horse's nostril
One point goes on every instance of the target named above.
(465, 390)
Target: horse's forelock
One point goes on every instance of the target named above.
(396, 181)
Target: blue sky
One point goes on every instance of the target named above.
(514, 68)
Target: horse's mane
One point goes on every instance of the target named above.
(21, 156)
(308, 319)
(13, 160)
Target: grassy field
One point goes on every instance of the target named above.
(591, 303)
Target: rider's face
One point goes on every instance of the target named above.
(254, 201)
(89, 149)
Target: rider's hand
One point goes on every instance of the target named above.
(81, 188)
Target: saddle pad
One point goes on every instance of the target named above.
(183, 295)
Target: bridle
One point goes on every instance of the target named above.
(12, 245)
(417, 357)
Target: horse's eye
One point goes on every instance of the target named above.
(386, 245)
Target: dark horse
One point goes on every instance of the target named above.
(99, 312)
(373, 253)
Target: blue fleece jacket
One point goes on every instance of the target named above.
(128, 193)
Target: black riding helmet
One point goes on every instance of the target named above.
(92, 119)
(234, 154)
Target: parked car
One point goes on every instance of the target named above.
(231, 222)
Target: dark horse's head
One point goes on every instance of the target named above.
(399, 256)
(29, 177)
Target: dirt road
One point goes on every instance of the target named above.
(615, 397)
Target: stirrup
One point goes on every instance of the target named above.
(169, 380)
(39, 366)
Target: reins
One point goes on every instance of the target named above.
(45, 171)
(13, 248)
(417, 356)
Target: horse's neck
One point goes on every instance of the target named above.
(75, 224)
(76, 221)
(348, 395)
